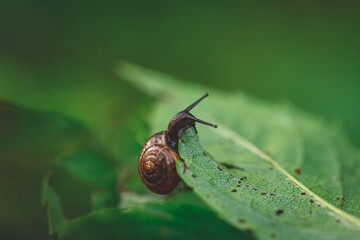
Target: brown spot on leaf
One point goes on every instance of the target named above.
(205, 154)
(337, 220)
(341, 198)
(273, 235)
(238, 185)
(239, 182)
(193, 175)
(312, 200)
(220, 168)
(303, 193)
(231, 175)
(207, 195)
(234, 190)
(264, 193)
(298, 171)
(279, 212)
(231, 166)
(272, 194)
(242, 221)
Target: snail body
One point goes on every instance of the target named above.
(157, 160)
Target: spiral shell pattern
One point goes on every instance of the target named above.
(157, 168)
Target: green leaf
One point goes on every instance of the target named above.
(50, 198)
(94, 169)
(144, 221)
(90, 167)
(152, 221)
(273, 169)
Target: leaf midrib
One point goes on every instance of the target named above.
(243, 142)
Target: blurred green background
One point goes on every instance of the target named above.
(58, 84)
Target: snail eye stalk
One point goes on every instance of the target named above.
(195, 103)
(188, 115)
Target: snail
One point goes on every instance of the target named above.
(156, 164)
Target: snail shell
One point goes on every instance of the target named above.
(157, 167)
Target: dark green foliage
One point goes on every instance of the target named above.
(145, 221)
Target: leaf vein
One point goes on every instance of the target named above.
(241, 141)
